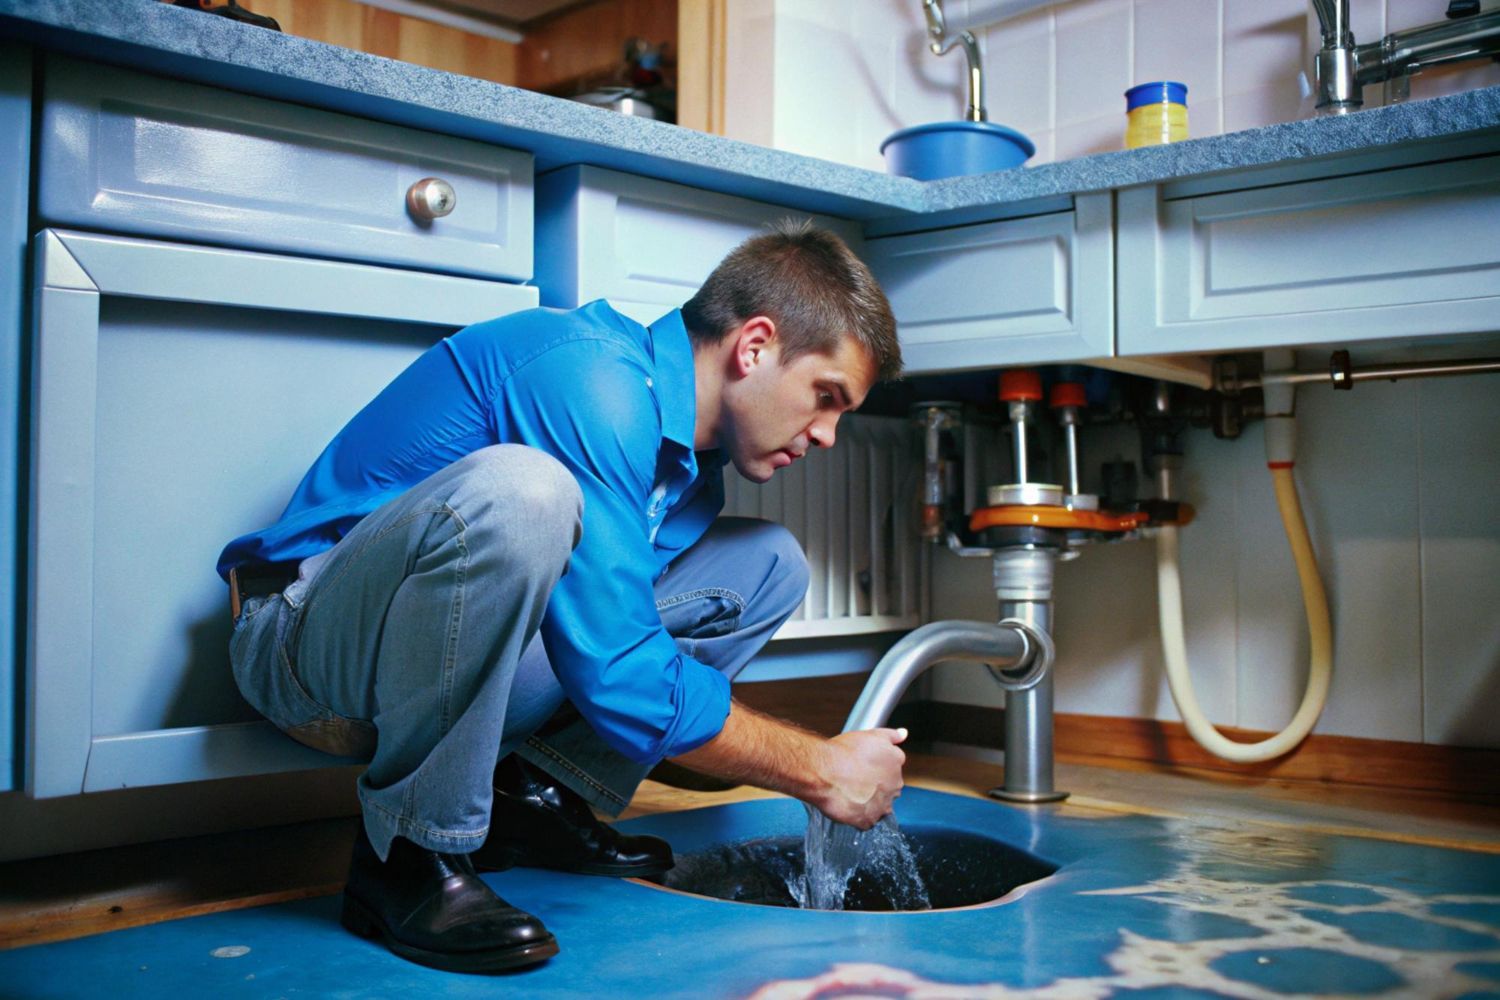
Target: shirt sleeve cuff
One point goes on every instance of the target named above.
(703, 697)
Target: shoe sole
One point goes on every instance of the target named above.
(360, 920)
(616, 871)
(508, 861)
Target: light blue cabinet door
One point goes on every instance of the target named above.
(1019, 291)
(15, 159)
(1394, 253)
(125, 152)
(179, 394)
(645, 245)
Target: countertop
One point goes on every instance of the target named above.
(159, 38)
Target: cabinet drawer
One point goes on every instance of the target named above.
(136, 154)
(1002, 293)
(645, 245)
(1397, 253)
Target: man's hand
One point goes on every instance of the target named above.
(864, 776)
(852, 778)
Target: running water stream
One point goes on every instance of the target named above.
(835, 852)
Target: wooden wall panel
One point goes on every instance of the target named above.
(584, 46)
(700, 64)
(581, 48)
(357, 26)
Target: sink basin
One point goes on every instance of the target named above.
(954, 149)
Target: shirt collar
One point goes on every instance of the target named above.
(676, 385)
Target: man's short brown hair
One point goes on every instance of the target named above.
(810, 284)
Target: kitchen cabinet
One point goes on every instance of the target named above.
(15, 161)
(1253, 261)
(1016, 291)
(129, 153)
(645, 245)
(179, 392)
(251, 276)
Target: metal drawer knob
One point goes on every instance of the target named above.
(430, 198)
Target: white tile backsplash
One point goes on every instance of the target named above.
(1179, 40)
(1264, 44)
(750, 110)
(1210, 600)
(1264, 106)
(929, 88)
(1093, 41)
(1367, 18)
(1046, 147)
(1403, 14)
(1366, 529)
(1099, 135)
(814, 64)
(1019, 64)
(1460, 612)
(832, 78)
(1453, 79)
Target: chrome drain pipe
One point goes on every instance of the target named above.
(1017, 650)
(1023, 582)
(1014, 649)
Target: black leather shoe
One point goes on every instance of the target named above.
(434, 909)
(538, 823)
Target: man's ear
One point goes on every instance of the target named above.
(755, 344)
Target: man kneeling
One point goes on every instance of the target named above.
(505, 584)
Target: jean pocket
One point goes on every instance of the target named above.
(252, 607)
(701, 614)
(336, 735)
(266, 680)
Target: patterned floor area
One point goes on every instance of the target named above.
(1141, 906)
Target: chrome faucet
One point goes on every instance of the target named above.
(1342, 68)
(940, 43)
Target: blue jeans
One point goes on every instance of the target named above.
(412, 643)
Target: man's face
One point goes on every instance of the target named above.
(775, 412)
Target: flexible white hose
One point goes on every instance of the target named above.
(1320, 637)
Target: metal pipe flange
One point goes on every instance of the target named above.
(1034, 663)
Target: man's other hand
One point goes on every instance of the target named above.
(862, 771)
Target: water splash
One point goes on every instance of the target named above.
(835, 854)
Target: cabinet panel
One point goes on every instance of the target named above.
(1398, 253)
(131, 153)
(15, 159)
(1002, 293)
(645, 245)
(171, 414)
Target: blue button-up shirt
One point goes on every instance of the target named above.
(615, 403)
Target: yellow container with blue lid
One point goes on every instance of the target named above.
(1155, 113)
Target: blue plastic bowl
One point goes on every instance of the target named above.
(954, 149)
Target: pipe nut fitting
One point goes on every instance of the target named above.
(1025, 574)
(1034, 663)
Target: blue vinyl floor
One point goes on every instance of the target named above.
(1141, 907)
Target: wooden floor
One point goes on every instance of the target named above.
(51, 899)
(1407, 816)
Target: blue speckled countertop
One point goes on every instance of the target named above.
(148, 35)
